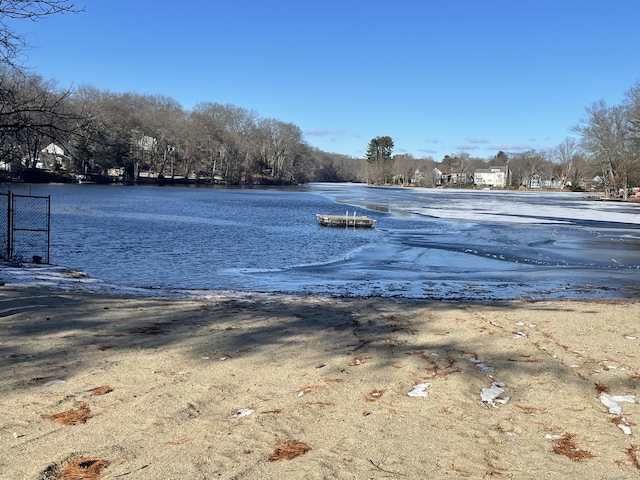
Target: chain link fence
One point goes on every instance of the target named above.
(25, 226)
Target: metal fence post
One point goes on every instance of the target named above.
(9, 225)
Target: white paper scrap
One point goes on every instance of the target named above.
(482, 366)
(611, 401)
(419, 390)
(244, 412)
(625, 427)
(54, 382)
(490, 395)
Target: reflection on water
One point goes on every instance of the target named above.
(451, 244)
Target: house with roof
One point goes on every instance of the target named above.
(492, 177)
(52, 157)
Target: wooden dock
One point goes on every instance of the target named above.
(345, 221)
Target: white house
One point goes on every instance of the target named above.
(491, 177)
(51, 156)
(53, 149)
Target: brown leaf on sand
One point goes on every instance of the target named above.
(529, 410)
(306, 389)
(332, 380)
(374, 395)
(277, 410)
(179, 441)
(71, 417)
(632, 453)
(288, 450)
(101, 390)
(619, 420)
(567, 446)
(601, 388)
(84, 468)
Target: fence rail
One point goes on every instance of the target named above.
(25, 227)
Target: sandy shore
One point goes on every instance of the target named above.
(223, 388)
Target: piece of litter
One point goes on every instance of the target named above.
(630, 337)
(206, 358)
(549, 436)
(624, 427)
(485, 368)
(222, 359)
(520, 335)
(482, 366)
(54, 382)
(611, 401)
(182, 373)
(489, 396)
(419, 390)
(244, 412)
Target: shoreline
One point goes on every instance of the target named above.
(55, 277)
(224, 387)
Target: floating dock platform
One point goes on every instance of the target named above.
(345, 221)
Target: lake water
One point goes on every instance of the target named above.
(427, 243)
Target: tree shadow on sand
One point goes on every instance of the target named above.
(187, 367)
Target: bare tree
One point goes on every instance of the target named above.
(160, 118)
(528, 166)
(226, 135)
(109, 130)
(11, 42)
(566, 154)
(604, 136)
(404, 167)
(281, 145)
(632, 103)
(32, 111)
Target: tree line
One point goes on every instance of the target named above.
(603, 155)
(154, 137)
(143, 136)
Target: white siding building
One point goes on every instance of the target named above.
(491, 177)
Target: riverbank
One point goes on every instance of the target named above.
(315, 387)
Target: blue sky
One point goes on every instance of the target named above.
(438, 77)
